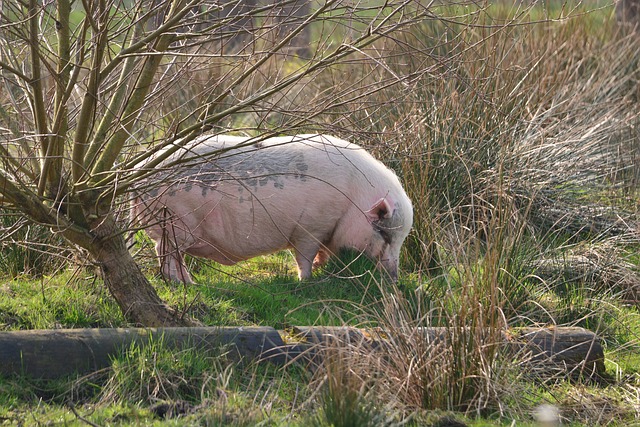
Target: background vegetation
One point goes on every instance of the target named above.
(515, 131)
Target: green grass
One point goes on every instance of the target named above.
(264, 291)
(71, 299)
(145, 377)
(332, 297)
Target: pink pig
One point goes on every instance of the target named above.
(230, 198)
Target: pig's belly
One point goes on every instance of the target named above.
(214, 252)
(228, 239)
(228, 229)
(228, 254)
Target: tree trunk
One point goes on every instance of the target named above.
(628, 13)
(136, 297)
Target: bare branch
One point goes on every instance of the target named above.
(114, 107)
(86, 117)
(112, 149)
(39, 112)
(177, 12)
(374, 33)
(14, 71)
(27, 201)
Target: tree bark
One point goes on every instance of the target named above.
(135, 295)
(628, 13)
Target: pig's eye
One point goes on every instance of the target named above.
(383, 233)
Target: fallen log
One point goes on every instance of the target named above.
(572, 350)
(547, 351)
(52, 354)
(57, 353)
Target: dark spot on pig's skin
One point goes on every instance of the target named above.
(259, 168)
(251, 169)
(302, 167)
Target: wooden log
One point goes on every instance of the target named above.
(628, 13)
(571, 350)
(56, 353)
(562, 349)
(328, 335)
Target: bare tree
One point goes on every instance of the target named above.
(91, 88)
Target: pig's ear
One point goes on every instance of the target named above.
(381, 209)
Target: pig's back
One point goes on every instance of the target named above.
(259, 197)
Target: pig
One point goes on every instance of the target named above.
(230, 198)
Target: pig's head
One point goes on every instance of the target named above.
(390, 221)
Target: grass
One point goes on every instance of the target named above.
(253, 293)
(68, 300)
(518, 146)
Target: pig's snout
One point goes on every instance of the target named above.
(389, 266)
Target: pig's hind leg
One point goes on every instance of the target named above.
(172, 264)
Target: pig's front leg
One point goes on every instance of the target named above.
(322, 258)
(305, 254)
